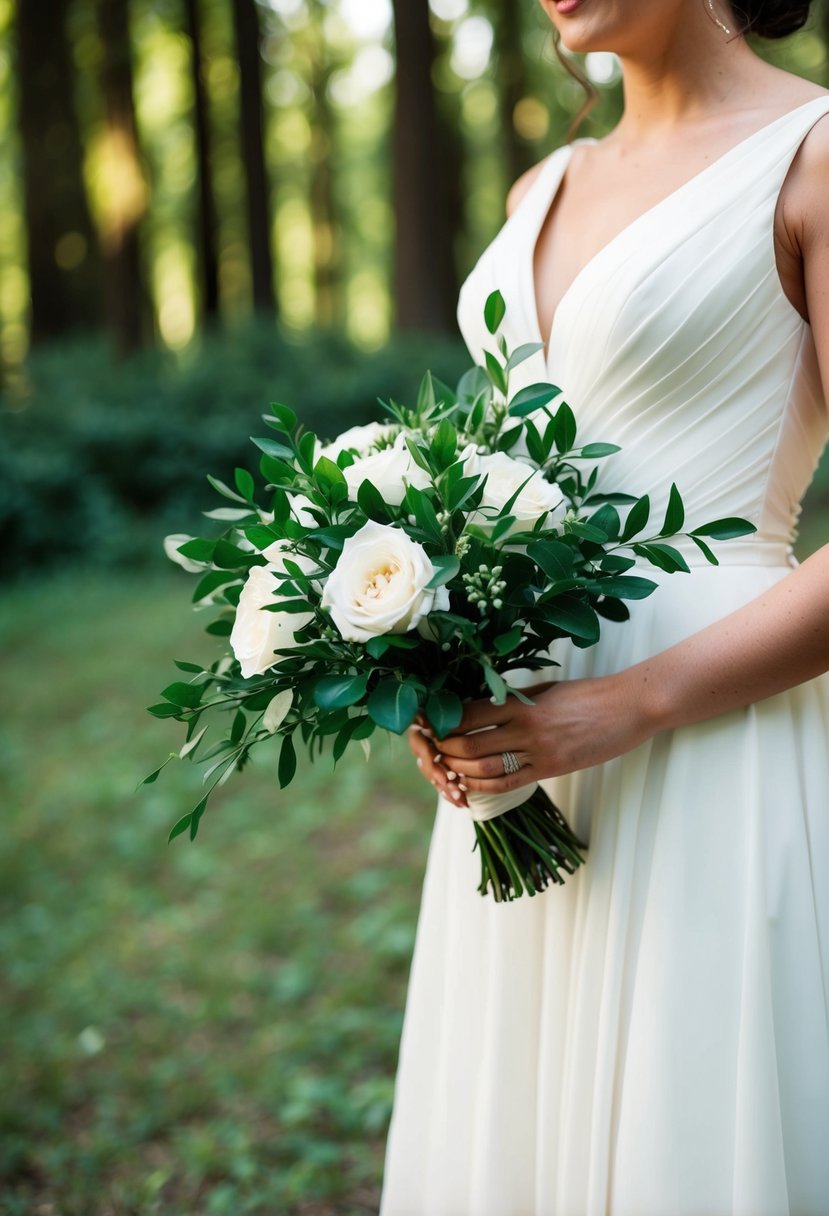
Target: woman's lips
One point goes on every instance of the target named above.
(567, 6)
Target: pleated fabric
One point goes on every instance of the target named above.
(652, 1038)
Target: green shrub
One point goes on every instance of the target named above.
(101, 460)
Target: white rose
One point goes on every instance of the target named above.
(258, 638)
(389, 471)
(359, 438)
(379, 584)
(503, 477)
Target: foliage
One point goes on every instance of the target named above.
(208, 1030)
(99, 459)
(489, 580)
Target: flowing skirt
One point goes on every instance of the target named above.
(651, 1038)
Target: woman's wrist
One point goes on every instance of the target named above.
(646, 696)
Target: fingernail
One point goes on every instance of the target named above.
(455, 793)
(420, 762)
(451, 775)
(438, 757)
(463, 787)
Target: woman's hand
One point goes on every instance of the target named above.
(573, 724)
(426, 746)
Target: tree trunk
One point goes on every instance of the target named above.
(511, 75)
(206, 218)
(63, 255)
(127, 305)
(246, 23)
(425, 280)
(326, 222)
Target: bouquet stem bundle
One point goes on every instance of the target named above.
(526, 849)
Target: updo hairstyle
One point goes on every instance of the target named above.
(771, 18)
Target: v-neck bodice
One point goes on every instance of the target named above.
(676, 340)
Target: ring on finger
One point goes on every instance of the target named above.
(510, 762)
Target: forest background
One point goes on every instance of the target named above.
(206, 205)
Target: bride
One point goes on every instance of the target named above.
(652, 1038)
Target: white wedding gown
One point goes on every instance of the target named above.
(651, 1038)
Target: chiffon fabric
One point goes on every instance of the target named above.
(652, 1038)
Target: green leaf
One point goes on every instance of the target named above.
(187, 695)
(153, 776)
(328, 474)
(637, 517)
(532, 398)
(675, 513)
(701, 545)
(496, 684)
(229, 556)
(444, 444)
(494, 310)
(372, 503)
(613, 610)
(223, 489)
(607, 519)
(587, 532)
(244, 483)
(554, 558)
(201, 550)
(182, 666)
(393, 705)
(238, 727)
(505, 643)
(574, 617)
(287, 762)
(461, 489)
(272, 447)
(378, 646)
(664, 557)
(594, 450)
(627, 587)
(723, 529)
(285, 415)
(336, 692)
(523, 352)
(260, 535)
(418, 455)
(565, 432)
(496, 371)
(195, 816)
(446, 566)
(426, 394)
(209, 583)
(221, 628)
(276, 472)
(180, 826)
(444, 711)
(164, 710)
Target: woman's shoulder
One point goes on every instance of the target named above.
(523, 183)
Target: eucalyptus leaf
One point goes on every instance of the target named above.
(393, 705)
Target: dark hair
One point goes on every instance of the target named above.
(771, 18)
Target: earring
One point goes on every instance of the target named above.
(716, 19)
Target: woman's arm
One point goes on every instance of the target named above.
(773, 643)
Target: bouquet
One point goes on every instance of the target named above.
(406, 566)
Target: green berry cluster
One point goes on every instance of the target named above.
(485, 587)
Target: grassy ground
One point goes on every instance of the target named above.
(206, 1027)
